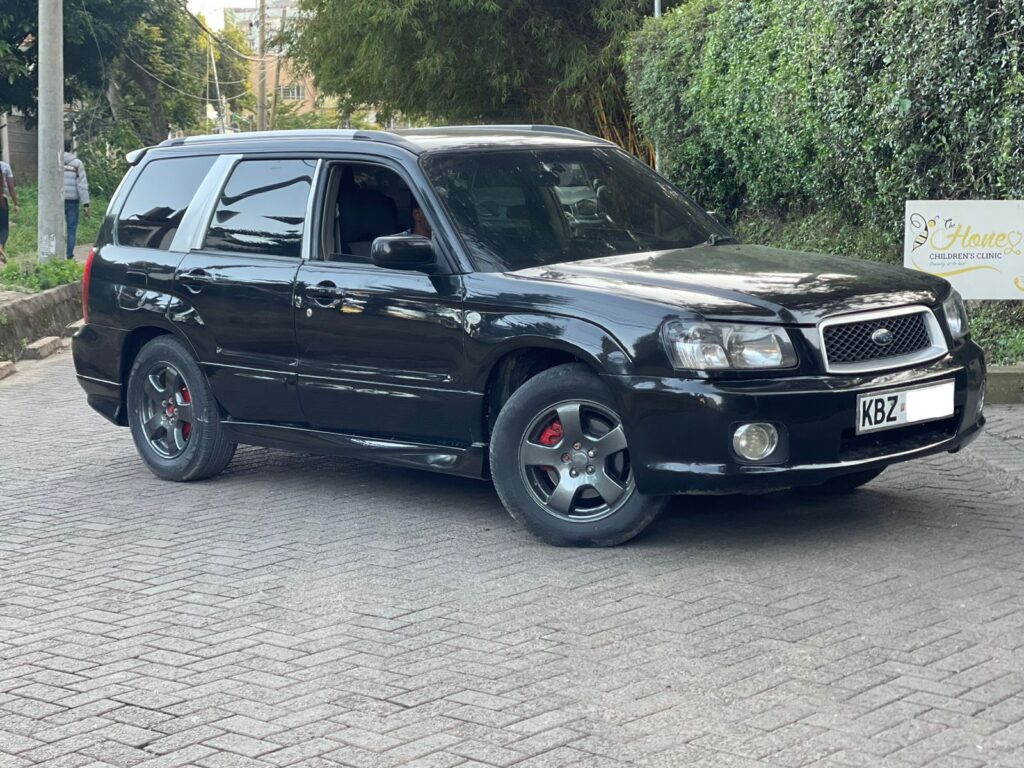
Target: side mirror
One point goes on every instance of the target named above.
(412, 252)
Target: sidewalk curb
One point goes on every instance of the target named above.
(36, 316)
(1006, 384)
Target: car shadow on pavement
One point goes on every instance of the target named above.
(726, 521)
(769, 519)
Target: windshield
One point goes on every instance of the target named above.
(528, 208)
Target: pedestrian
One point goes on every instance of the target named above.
(7, 189)
(76, 191)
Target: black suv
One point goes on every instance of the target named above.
(525, 303)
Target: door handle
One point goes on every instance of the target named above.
(325, 294)
(195, 279)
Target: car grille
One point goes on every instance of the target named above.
(852, 342)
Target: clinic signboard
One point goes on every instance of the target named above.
(978, 245)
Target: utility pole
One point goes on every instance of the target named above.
(261, 85)
(216, 82)
(657, 155)
(51, 129)
(277, 75)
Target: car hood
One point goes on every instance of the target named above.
(749, 282)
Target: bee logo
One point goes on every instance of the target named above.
(924, 228)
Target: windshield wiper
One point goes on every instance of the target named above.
(717, 239)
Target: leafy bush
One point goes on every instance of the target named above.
(791, 106)
(809, 123)
(104, 159)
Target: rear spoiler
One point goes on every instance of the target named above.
(136, 155)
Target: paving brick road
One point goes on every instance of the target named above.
(301, 611)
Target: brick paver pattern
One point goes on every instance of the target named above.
(303, 611)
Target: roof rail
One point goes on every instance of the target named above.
(295, 135)
(536, 128)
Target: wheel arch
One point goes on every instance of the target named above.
(132, 344)
(516, 359)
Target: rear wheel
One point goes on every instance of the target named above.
(849, 483)
(561, 463)
(172, 414)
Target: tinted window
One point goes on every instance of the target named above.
(262, 208)
(527, 208)
(158, 200)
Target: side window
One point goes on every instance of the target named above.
(263, 208)
(158, 201)
(366, 201)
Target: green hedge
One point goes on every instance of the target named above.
(809, 123)
(853, 105)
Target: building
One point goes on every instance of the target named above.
(290, 88)
(19, 146)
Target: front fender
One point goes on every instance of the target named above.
(498, 334)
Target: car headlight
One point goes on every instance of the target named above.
(956, 315)
(703, 346)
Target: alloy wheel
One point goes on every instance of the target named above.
(165, 410)
(575, 461)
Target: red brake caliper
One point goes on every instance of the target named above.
(552, 434)
(186, 428)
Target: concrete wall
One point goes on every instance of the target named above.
(21, 148)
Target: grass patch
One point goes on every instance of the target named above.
(23, 241)
(27, 274)
(24, 271)
(997, 326)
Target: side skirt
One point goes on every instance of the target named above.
(466, 462)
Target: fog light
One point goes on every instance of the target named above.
(981, 399)
(755, 442)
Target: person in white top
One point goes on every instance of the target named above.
(7, 189)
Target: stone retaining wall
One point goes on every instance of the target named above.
(36, 315)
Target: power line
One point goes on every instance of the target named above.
(220, 41)
(176, 89)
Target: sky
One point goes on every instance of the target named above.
(211, 9)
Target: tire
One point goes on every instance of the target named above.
(844, 484)
(536, 494)
(173, 415)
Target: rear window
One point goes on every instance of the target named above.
(263, 208)
(158, 201)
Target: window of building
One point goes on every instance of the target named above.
(291, 92)
(158, 201)
(262, 209)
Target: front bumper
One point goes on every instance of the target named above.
(680, 430)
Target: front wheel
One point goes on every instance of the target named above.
(561, 463)
(172, 414)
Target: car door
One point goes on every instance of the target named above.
(236, 287)
(380, 350)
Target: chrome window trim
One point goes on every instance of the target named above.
(306, 252)
(934, 351)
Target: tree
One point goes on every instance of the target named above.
(91, 28)
(149, 60)
(551, 61)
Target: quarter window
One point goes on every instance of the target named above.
(158, 201)
(263, 208)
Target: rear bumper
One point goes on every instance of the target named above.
(97, 354)
(104, 397)
(680, 430)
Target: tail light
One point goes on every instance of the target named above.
(86, 274)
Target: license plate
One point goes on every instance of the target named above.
(886, 410)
